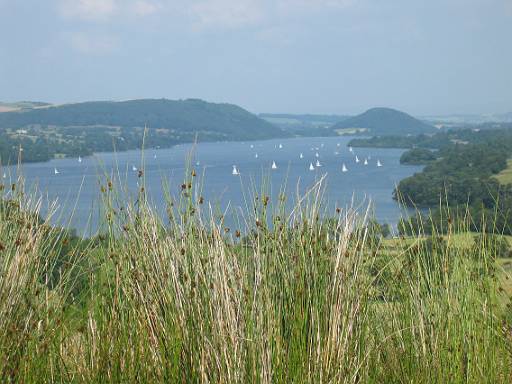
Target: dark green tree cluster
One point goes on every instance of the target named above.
(418, 156)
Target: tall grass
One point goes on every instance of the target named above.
(288, 297)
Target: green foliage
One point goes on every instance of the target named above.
(418, 156)
(463, 174)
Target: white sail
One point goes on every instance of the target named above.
(365, 161)
(79, 159)
(134, 168)
(338, 144)
(317, 155)
(301, 156)
(344, 168)
(256, 156)
(350, 149)
(274, 166)
(252, 146)
(379, 164)
(318, 163)
(357, 159)
(235, 171)
(5, 175)
(56, 171)
(311, 167)
(280, 146)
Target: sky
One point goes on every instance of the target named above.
(426, 57)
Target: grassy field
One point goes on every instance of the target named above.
(505, 176)
(283, 297)
(350, 131)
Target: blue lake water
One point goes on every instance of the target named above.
(76, 186)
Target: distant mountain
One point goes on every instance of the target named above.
(383, 121)
(305, 124)
(209, 120)
(461, 120)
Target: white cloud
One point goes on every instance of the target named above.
(144, 8)
(92, 44)
(306, 5)
(105, 10)
(201, 14)
(88, 9)
(225, 13)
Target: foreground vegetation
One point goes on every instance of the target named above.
(283, 296)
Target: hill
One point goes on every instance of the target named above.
(19, 105)
(384, 121)
(209, 120)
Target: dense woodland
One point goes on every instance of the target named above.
(81, 129)
(462, 177)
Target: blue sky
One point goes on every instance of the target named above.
(298, 56)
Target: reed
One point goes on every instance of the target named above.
(289, 295)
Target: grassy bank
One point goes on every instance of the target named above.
(505, 176)
(283, 297)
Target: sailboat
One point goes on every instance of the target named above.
(318, 163)
(344, 168)
(311, 167)
(56, 171)
(256, 156)
(379, 164)
(365, 161)
(134, 168)
(317, 155)
(252, 146)
(79, 159)
(338, 144)
(301, 156)
(280, 146)
(235, 171)
(4, 175)
(357, 159)
(274, 166)
(350, 149)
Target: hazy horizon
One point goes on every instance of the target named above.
(284, 56)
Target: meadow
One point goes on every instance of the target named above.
(505, 176)
(286, 296)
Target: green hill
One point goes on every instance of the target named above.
(209, 120)
(384, 121)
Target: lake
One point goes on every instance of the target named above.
(76, 186)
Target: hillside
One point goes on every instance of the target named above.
(209, 120)
(21, 105)
(384, 121)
